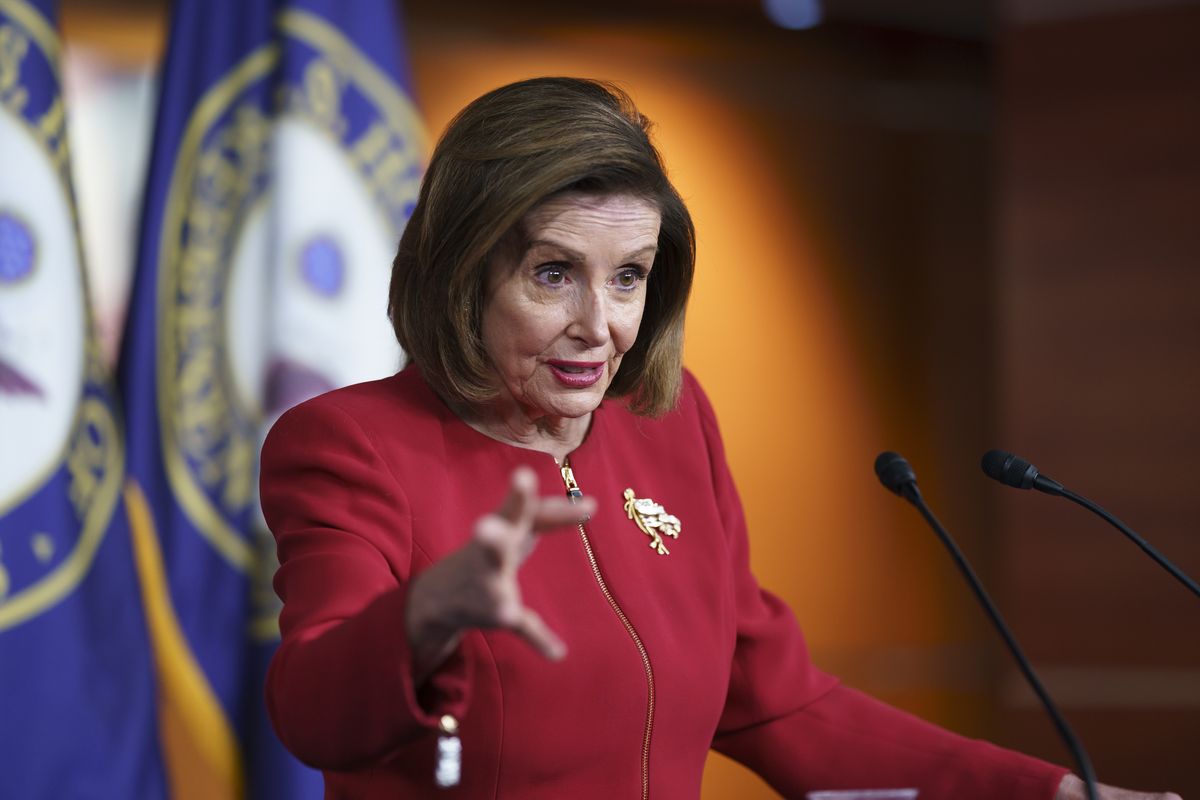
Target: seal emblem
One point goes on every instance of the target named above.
(293, 181)
(61, 456)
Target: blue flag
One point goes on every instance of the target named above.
(286, 160)
(77, 697)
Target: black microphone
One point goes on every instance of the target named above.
(897, 475)
(1017, 472)
(1020, 474)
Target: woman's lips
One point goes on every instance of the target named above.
(577, 374)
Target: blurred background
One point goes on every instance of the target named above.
(935, 226)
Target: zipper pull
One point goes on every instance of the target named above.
(573, 490)
(449, 763)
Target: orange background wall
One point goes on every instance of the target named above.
(822, 214)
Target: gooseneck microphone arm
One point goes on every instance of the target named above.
(1018, 473)
(897, 475)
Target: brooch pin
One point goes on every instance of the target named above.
(652, 520)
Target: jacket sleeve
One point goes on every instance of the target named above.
(339, 689)
(801, 731)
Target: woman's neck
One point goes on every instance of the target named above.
(557, 436)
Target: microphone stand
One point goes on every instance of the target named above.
(909, 491)
(1018, 473)
(1146, 547)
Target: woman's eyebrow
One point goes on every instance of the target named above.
(574, 255)
(650, 249)
(571, 253)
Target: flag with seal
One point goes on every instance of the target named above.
(76, 683)
(286, 160)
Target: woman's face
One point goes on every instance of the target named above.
(565, 299)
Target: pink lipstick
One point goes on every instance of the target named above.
(577, 374)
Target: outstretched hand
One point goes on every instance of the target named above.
(1073, 788)
(476, 586)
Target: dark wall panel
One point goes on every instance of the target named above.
(1099, 369)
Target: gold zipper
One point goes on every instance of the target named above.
(574, 492)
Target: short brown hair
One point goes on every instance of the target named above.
(503, 155)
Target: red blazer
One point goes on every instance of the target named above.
(669, 655)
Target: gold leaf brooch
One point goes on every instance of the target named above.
(652, 520)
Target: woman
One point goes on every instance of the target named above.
(545, 468)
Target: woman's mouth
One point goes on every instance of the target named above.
(577, 374)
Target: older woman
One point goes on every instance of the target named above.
(529, 539)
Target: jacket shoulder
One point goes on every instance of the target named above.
(402, 395)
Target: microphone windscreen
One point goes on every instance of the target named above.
(993, 464)
(1008, 469)
(893, 471)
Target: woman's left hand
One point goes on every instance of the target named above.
(1073, 788)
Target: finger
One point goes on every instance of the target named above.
(499, 542)
(534, 630)
(509, 611)
(557, 512)
(518, 505)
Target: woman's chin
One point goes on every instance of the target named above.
(577, 407)
(569, 403)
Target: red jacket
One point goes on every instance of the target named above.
(366, 486)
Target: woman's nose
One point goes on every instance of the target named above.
(590, 324)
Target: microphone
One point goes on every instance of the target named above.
(1017, 472)
(895, 473)
(1014, 471)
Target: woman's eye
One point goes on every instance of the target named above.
(629, 278)
(552, 275)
